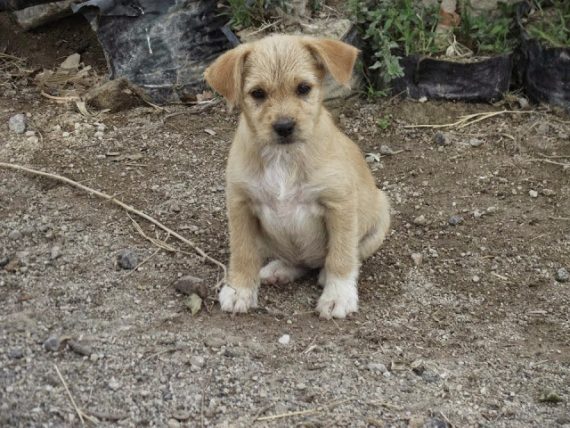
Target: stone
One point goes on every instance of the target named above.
(475, 142)
(454, 220)
(127, 259)
(417, 258)
(562, 275)
(285, 339)
(442, 139)
(17, 123)
(533, 193)
(16, 354)
(189, 285)
(52, 344)
(15, 235)
(377, 367)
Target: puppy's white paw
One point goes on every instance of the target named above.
(278, 272)
(237, 299)
(339, 298)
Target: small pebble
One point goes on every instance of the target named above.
(562, 275)
(377, 367)
(420, 220)
(197, 361)
(189, 285)
(523, 103)
(17, 123)
(214, 342)
(475, 142)
(417, 258)
(4, 261)
(441, 139)
(114, 384)
(385, 150)
(454, 220)
(80, 349)
(53, 343)
(16, 354)
(15, 234)
(285, 339)
(548, 192)
(533, 193)
(476, 279)
(55, 252)
(127, 259)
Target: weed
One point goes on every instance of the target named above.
(551, 25)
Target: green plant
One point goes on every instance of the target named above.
(483, 34)
(384, 122)
(551, 25)
(392, 28)
(245, 13)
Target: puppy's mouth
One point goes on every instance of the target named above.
(289, 139)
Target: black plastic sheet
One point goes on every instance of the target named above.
(483, 80)
(162, 46)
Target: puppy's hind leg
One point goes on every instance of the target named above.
(370, 243)
(279, 272)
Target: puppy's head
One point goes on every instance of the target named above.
(277, 83)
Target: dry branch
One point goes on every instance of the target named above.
(469, 119)
(126, 207)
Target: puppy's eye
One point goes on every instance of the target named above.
(258, 94)
(303, 89)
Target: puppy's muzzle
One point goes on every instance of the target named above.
(284, 127)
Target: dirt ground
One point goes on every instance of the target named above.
(472, 331)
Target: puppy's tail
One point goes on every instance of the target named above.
(372, 241)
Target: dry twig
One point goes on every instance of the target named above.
(469, 119)
(126, 207)
(80, 413)
(302, 412)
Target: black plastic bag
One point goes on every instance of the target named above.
(484, 80)
(162, 46)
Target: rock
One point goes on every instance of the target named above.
(214, 342)
(17, 123)
(172, 423)
(533, 193)
(15, 235)
(80, 349)
(386, 151)
(523, 102)
(197, 361)
(114, 384)
(377, 367)
(442, 139)
(127, 259)
(16, 353)
(52, 344)
(475, 142)
(550, 397)
(548, 192)
(189, 285)
(435, 423)
(55, 252)
(418, 367)
(562, 275)
(417, 258)
(476, 279)
(285, 339)
(420, 220)
(182, 415)
(454, 220)
(4, 261)
(115, 95)
(71, 62)
(430, 376)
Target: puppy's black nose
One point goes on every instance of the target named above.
(284, 127)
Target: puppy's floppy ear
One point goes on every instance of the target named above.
(337, 57)
(225, 74)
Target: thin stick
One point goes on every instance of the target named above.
(551, 162)
(469, 119)
(77, 409)
(554, 157)
(127, 207)
(302, 412)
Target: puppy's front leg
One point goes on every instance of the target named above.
(240, 293)
(340, 296)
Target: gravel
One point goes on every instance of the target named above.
(52, 344)
(442, 139)
(15, 235)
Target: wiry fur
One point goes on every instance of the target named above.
(311, 203)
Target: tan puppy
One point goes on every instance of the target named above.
(298, 190)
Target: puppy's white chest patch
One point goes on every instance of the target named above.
(290, 215)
